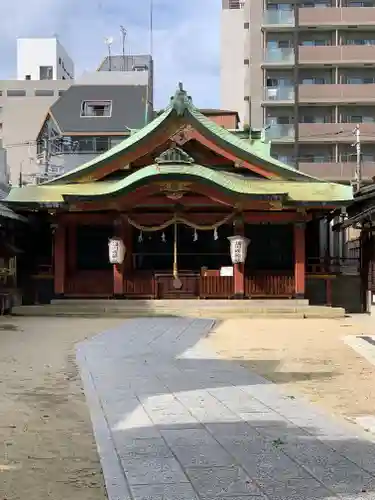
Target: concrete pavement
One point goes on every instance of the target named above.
(172, 421)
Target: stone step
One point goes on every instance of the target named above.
(116, 312)
(183, 304)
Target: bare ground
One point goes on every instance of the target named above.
(305, 357)
(47, 448)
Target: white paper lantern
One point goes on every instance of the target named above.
(117, 250)
(238, 248)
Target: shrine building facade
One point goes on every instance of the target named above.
(182, 208)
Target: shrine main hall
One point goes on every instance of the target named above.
(182, 208)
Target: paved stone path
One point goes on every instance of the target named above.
(174, 422)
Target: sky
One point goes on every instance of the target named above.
(186, 38)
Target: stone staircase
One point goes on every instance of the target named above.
(220, 309)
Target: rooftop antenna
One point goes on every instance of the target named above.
(108, 41)
(123, 36)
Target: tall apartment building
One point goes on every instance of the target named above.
(307, 73)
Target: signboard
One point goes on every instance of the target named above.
(226, 271)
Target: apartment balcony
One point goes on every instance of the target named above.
(337, 94)
(280, 133)
(337, 171)
(334, 132)
(278, 19)
(343, 55)
(337, 17)
(278, 95)
(279, 57)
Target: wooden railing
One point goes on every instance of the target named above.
(146, 285)
(333, 265)
(165, 285)
(270, 284)
(140, 285)
(90, 283)
(218, 287)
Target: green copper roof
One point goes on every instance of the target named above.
(294, 191)
(254, 151)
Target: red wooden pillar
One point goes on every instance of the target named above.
(239, 269)
(118, 269)
(60, 259)
(72, 249)
(299, 260)
(128, 241)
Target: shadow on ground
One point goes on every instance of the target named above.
(184, 423)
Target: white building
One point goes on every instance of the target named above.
(232, 67)
(43, 59)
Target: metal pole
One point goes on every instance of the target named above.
(175, 271)
(109, 58)
(296, 82)
(123, 32)
(151, 27)
(358, 168)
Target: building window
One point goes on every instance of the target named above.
(360, 41)
(61, 92)
(16, 93)
(45, 73)
(315, 43)
(359, 119)
(102, 144)
(314, 81)
(27, 77)
(246, 62)
(280, 6)
(44, 93)
(96, 109)
(246, 26)
(140, 68)
(364, 3)
(317, 3)
(60, 61)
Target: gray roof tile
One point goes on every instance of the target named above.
(128, 108)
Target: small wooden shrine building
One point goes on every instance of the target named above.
(361, 218)
(173, 193)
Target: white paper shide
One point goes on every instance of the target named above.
(116, 249)
(238, 248)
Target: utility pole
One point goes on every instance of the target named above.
(296, 79)
(151, 27)
(47, 157)
(358, 167)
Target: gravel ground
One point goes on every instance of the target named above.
(46, 440)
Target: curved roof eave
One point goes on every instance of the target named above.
(297, 191)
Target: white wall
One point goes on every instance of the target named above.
(232, 68)
(35, 52)
(65, 69)
(22, 118)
